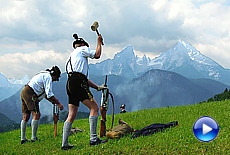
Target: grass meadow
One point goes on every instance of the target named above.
(173, 141)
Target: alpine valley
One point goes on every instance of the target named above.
(178, 76)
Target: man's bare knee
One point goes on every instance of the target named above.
(26, 117)
(36, 116)
(71, 117)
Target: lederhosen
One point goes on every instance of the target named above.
(30, 100)
(77, 86)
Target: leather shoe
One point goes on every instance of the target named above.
(34, 140)
(68, 147)
(98, 141)
(24, 141)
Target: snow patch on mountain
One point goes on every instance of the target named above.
(10, 82)
(21, 81)
(9, 87)
(4, 81)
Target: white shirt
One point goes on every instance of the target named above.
(79, 60)
(42, 84)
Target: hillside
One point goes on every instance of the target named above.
(7, 125)
(5, 120)
(178, 140)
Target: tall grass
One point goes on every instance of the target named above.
(177, 140)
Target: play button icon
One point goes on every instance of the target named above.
(205, 129)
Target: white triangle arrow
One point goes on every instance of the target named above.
(206, 129)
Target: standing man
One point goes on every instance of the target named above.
(77, 88)
(39, 87)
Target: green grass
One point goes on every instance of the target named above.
(177, 140)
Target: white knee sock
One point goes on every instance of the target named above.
(34, 125)
(66, 132)
(93, 127)
(23, 130)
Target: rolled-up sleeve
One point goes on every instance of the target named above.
(86, 52)
(48, 87)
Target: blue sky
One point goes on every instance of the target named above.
(36, 34)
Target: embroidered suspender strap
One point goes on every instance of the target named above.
(69, 62)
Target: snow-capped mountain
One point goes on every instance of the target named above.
(7, 88)
(124, 63)
(9, 82)
(182, 58)
(4, 81)
(21, 81)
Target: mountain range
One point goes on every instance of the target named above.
(182, 58)
(179, 76)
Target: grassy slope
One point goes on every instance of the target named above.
(178, 140)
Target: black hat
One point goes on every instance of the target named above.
(122, 106)
(79, 41)
(55, 71)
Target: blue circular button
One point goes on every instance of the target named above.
(205, 129)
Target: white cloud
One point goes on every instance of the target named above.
(151, 26)
(218, 51)
(159, 5)
(19, 64)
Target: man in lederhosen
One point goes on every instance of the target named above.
(77, 88)
(39, 87)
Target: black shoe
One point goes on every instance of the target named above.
(98, 141)
(24, 141)
(175, 123)
(67, 147)
(34, 140)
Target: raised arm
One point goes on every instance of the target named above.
(99, 48)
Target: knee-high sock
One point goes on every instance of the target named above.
(66, 132)
(23, 130)
(93, 127)
(34, 125)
